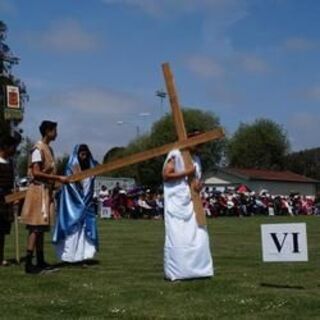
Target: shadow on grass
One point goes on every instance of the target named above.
(280, 286)
(59, 265)
(80, 264)
(187, 280)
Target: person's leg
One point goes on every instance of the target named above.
(2, 237)
(31, 241)
(40, 250)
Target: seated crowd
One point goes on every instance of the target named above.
(138, 203)
(146, 203)
(233, 203)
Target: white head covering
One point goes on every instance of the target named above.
(178, 160)
(177, 195)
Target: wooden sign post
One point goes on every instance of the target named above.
(133, 159)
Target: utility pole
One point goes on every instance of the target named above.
(162, 95)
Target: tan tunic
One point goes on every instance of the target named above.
(38, 208)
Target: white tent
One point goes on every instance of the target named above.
(214, 181)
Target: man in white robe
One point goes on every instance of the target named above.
(186, 251)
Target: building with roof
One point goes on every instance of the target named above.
(276, 182)
(111, 182)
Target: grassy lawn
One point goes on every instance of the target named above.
(127, 283)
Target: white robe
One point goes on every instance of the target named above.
(186, 250)
(76, 247)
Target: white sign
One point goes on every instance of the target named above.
(284, 242)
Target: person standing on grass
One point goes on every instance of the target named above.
(105, 203)
(8, 146)
(38, 208)
(75, 233)
(186, 250)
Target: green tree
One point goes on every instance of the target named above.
(163, 132)
(113, 153)
(305, 162)
(61, 163)
(262, 144)
(23, 155)
(7, 61)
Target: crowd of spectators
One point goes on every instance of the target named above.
(138, 203)
(231, 202)
(148, 204)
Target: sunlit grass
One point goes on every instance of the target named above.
(128, 283)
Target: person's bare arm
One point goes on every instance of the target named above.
(198, 185)
(169, 173)
(37, 173)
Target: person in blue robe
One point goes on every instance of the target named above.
(75, 234)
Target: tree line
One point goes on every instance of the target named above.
(262, 144)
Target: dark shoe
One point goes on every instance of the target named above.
(31, 269)
(43, 265)
(47, 267)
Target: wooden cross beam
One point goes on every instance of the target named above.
(182, 135)
(182, 144)
(133, 159)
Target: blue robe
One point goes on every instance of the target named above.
(75, 233)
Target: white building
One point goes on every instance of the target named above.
(276, 182)
(110, 183)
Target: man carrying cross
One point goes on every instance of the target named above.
(186, 249)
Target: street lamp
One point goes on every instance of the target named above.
(122, 122)
(142, 115)
(162, 95)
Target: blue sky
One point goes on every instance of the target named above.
(90, 64)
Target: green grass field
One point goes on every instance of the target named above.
(127, 283)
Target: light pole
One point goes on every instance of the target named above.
(122, 122)
(162, 95)
(137, 127)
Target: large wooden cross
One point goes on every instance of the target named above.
(183, 144)
(182, 135)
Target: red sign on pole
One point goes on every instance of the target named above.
(12, 105)
(13, 97)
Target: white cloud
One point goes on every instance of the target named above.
(224, 96)
(304, 130)
(35, 83)
(226, 67)
(88, 115)
(97, 100)
(204, 66)
(221, 57)
(165, 7)
(217, 17)
(300, 44)
(253, 64)
(312, 93)
(151, 7)
(64, 36)
(7, 6)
